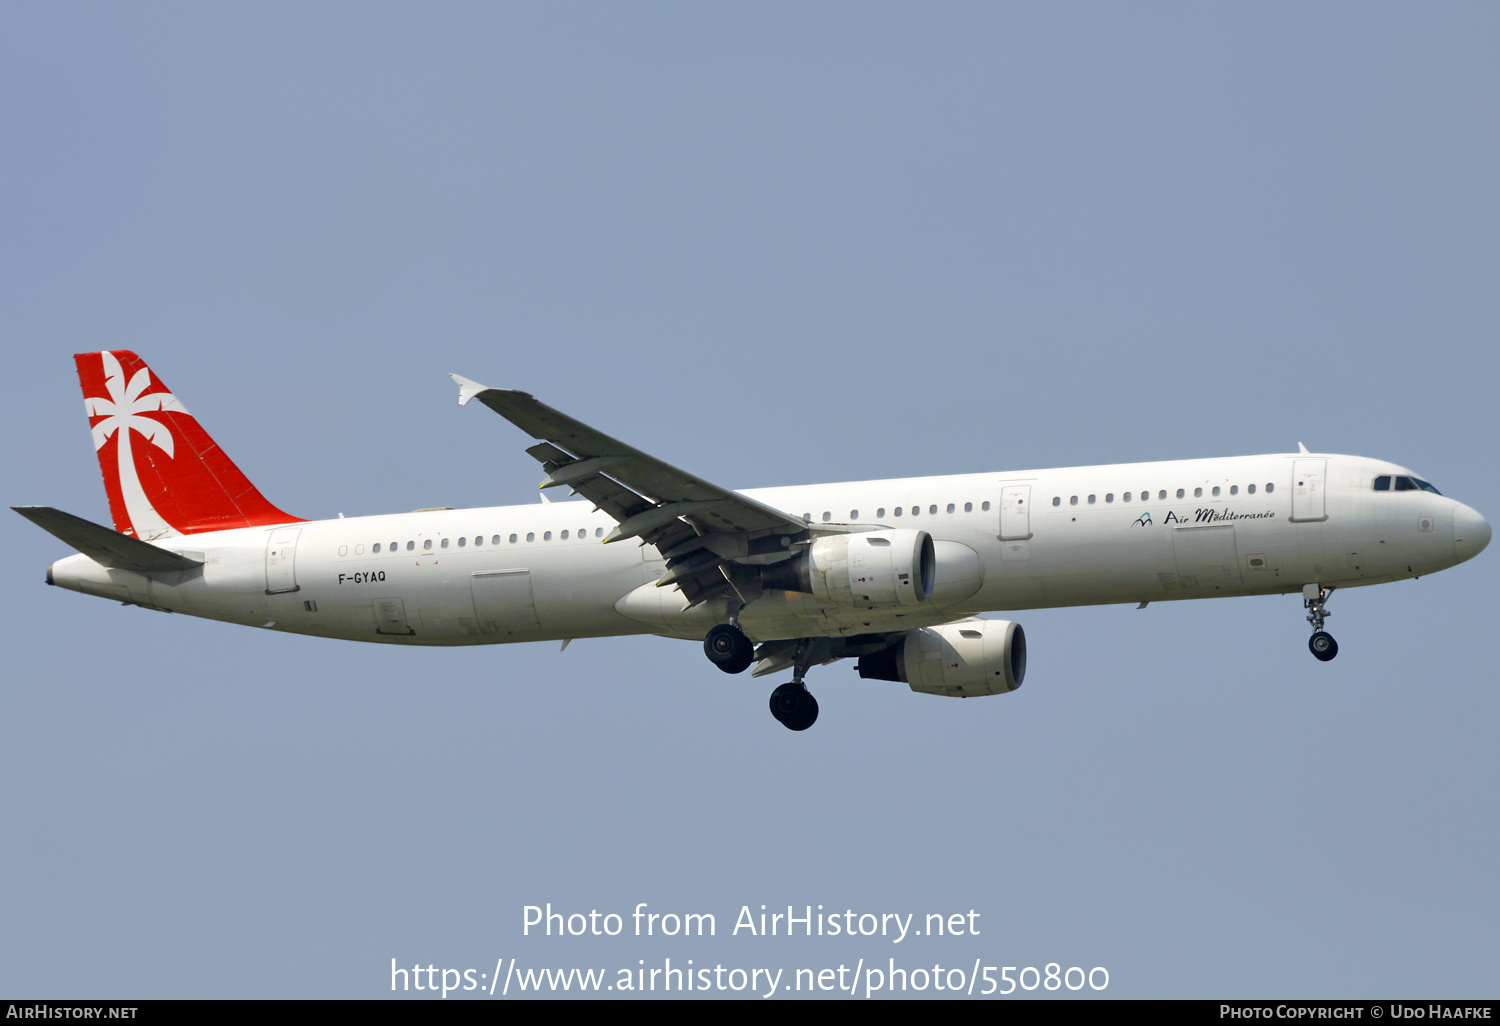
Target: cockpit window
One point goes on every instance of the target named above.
(1403, 484)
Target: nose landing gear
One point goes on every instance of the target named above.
(1315, 601)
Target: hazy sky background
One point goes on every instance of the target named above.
(772, 244)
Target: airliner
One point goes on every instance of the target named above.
(893, 574)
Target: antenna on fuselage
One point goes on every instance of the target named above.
(1302, 448)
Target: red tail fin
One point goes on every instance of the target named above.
(162, 472)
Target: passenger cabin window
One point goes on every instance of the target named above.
(1126, 498)
(1109, 497)
(1091, 500)
(854, 514)
(951, 507)
(1234, 489)
(1216, 491)
(880, 513)
(1163, 494)
(410, 545)
(1072, 500)
(1057, 500)
(1270, 487)
(1180, 493)
(512, 539)
(376, 548)
(969, 506)
(427, 545)
(933, 509)
(985, 507)
(1197, 493)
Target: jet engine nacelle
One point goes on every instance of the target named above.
(874, 568)
(958, 660)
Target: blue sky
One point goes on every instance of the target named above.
(773, 244)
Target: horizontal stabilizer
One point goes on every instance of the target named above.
(104, 546)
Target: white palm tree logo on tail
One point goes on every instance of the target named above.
(121, 413)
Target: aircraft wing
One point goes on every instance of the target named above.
(701, 528)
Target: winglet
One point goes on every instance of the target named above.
(467, 389)
(1301, 448)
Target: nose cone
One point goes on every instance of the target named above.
(1471, 532)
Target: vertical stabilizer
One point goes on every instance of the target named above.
(162, 472)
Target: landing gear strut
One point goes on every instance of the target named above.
(727, 648)
(1315, 601)
(792, 704)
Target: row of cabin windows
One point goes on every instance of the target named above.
(1162, 494)
(900, 511)
(463, 542)
(1403, 484)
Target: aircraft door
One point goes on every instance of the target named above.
(390, 617)
(281, 560)
(1308, 478)
(1015, 513)
(1207, 559)
(1015, 522)
(455, 608)
(503, 602)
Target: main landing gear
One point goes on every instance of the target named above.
(727, 648)
(792, 704)
(1315, 601)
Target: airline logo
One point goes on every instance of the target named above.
(162, 472)
(122, 415)
(1201, 516)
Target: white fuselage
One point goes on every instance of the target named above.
(1141, 532)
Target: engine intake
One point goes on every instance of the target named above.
(957, 660)
(874, 568)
